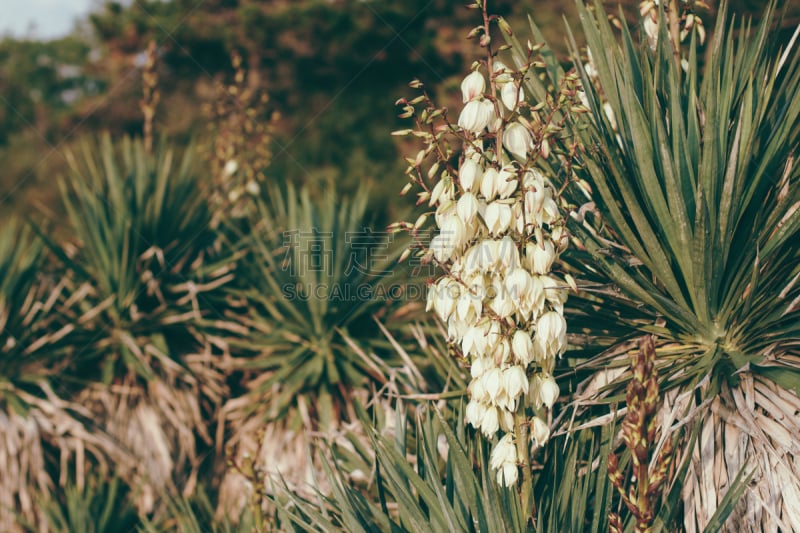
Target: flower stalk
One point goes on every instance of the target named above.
(499, 229)
(641, 489)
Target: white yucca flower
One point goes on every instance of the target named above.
(518, 140)
(540, 431)
(511, 96)
(473, 86)
(476, 116)
(504, 460)
(469, 175)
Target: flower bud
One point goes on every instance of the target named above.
(252, 188)
(442, 192)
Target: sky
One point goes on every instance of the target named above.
(41, 19)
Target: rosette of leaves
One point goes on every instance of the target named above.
(144, 271)
(41, 429)
(318, 282)
(692, 236)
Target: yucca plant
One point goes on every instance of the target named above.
(43, 433)
(317, 293)
(692, 236)
(317, 275)
(144, 268)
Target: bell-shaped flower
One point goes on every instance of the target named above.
(515, 381)
(442, 248)
(480, 365)
(493, 332)
(447, 293)
(501, 304)
(453, 229)
(475, 412)
(468, 344)
(511, 96)
(469, 307)
(442, 192)
(481, 256)
(554, 294)
(490, 422)
(473, 86)
(551, 333)
(533, 304)
(506, 254)
(476, 116)
(478, 393)
(540, 256)
(469, 175)
(540, 432)
(522, 346)
(518, 282)
(504, 460)
(456, 328)
(444, 211)
(506, 182)
(467, 207)
(518, 140)
(502, 352)
(548, 391)
(497, 218)
(492, 380)
(490, 183)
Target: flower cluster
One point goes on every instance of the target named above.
(681, 24)
(500, 231)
